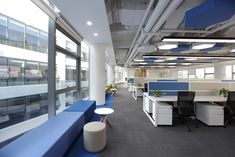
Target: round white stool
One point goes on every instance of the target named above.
(94, 135)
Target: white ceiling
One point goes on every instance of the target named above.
(78, 12)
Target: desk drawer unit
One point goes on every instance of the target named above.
(147, 104)
(164, 114)
(210, 114)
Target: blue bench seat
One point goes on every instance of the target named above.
(87, 106)
(51, 139)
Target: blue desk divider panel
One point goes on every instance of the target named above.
(228, 81)
(51, 139)
(87, 106)
(168, 88)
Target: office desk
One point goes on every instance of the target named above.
(137, 92)
(156, 108)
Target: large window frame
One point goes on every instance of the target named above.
(53, 93)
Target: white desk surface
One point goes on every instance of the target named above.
(196, 99)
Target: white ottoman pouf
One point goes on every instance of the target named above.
(94, 134)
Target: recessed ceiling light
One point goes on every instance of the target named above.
(166, 46)
(159, 60)
(190, 59)
(172, 63)
(199, 46)
(95, 34)
(171, 58)
(201, 40)
(186, 63)
(89, 23)
(138, 60)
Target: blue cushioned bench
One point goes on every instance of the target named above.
(51, 139)
(87, 106)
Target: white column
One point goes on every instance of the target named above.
(97, 73)
(110, 74)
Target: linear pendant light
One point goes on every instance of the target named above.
(198, 39)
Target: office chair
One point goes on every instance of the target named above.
(145, 87)
(186, 108)
(229, 110)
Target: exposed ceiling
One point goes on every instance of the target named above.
(181, 18)
(78, 12)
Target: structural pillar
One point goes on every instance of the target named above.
(110, 74)
(97, 73)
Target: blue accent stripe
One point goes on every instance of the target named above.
(228, 81)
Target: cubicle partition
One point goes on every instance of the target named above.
(168, 88)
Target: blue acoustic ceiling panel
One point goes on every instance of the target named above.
(209, 13)
(214, 48)
(180, 48)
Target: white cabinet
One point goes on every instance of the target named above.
(210, 114)
(147, 104)
(162, 113)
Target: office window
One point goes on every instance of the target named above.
(228, 72)
(185, 74)
(43, 42)
(191, 76)
(16, 35)
(209, 73)
(32, 39)
(65, 71)
(20, 34)
(4, 72)
(16, 110)
(16, 72)
(67, 57)
(200, 73)
(3, 29)
(43, 70)
(63, 41)
(84, 92)
(180, 74)
(32, 73)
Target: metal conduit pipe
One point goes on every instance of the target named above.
(151, 2)
(171, 7)
(164, 16)
(160, 7)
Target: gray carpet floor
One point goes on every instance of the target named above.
(133, 135)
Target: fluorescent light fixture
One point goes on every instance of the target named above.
(171, 66)
(171, 58)
(199, 40)
(166, 46)
(143, 63)
(160, 66)
(159, 60)
(190, 59)
(200, 46)
(138, 60)
(186, 63)
(89, 23)
(171, 63)
(95, 34)
(233, 50)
